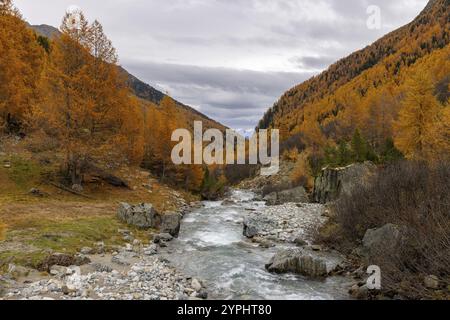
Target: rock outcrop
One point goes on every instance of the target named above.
(304, 262)
(296, 195)
(142, 216)
(171, 224)
(334, 182)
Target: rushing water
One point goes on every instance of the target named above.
(211, 247)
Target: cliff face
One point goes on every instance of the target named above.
(333, 183)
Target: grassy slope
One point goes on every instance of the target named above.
(60, 221)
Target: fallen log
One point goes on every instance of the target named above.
(64, 188)
(107, 177)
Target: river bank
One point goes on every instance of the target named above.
(211, 258)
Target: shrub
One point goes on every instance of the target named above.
(302, 174)
(414, 196)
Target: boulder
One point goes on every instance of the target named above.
(18, 271)
(334, 182)
(151, 250)
(37, 193)
(124, 258)
(77, 188)
(300, 242)
(64, 260)
(162, 237)
(228, 202)
(143, 216)
(385, 240)
(196, 285)
(304, 262)
(271, 199)
(86, 250)
(251, 228)
(359, 292)
(171, 224)
(431, 282)
(58, 270)
(296, 195)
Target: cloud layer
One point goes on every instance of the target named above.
(231, 59)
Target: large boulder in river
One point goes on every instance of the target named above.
(251, 228)
(142, 216)
(171, 223)
(296, 195)
(304, 262)
(334, 182)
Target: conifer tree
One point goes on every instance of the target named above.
(88, 106)
(21, 64)
(421, 119)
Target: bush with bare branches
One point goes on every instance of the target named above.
(414, 196)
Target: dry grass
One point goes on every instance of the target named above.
(61, 221)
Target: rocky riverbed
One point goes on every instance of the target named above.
(225, 250)
(126, 275)
(288, 222)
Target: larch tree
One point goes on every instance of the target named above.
(88, 106)
(7, 8)
(21, 65)
(418, 133)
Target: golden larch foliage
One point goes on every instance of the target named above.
(21, 64)
(420, 129)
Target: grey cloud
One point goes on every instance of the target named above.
(237, 98)
(231, 59)
(309, 62)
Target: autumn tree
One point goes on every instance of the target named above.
(21, 65)
(164, 124)
(88, 106)
(7, 8)
(419, 129)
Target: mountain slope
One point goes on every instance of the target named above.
(142, 89)
(397, 50)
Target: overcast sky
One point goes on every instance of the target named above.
(230, 59)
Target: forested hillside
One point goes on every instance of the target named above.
(372, 95)
(64, 90)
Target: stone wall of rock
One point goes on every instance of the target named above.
(334, 182)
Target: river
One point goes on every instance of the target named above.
(211, 247)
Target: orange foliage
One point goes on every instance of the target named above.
(87, 104)
(21, 65)
(365, 90)
(421, 127)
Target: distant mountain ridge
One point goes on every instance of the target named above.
(139, 88)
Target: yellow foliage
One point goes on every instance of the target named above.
(87, 105)
(421, 128)
(21, 64)
(302, 173)
(291, 155)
